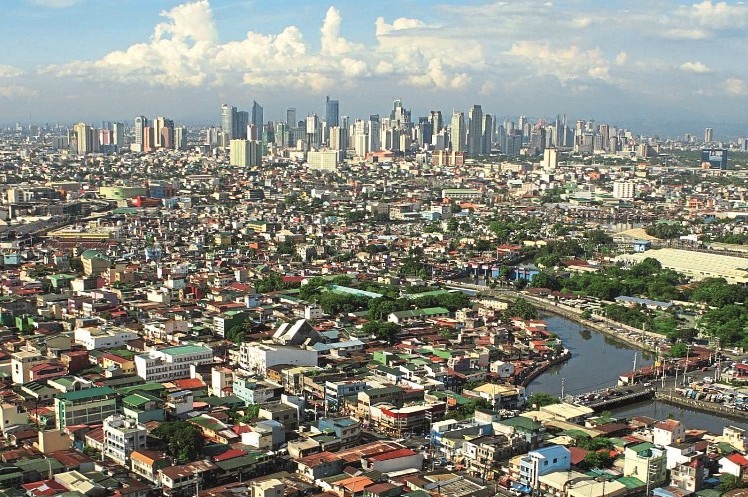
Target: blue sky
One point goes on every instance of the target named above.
(667, 65)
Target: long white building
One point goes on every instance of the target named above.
(171, 363)
(257, 357)
(103, 338)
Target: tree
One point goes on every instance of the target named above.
(595, 444)
(521, 308)
(184, 441)
(542, 399)
(546, 279)
(730, 482)
(385, 331)
(76, 265)
(600, 459)
(666, 231)
(678, 350)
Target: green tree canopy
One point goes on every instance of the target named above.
(542, 399)
(184, 441)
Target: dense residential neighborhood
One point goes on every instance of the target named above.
(367, 324)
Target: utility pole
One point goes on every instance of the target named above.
(633, 373)
(563, 381)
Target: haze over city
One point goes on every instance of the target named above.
(666, 67)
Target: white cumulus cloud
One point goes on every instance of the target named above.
(332, 42)
(566, 63)
(695, 67)
(735, 87)
(7, 71)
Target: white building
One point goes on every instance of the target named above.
(21, 363)
(625, 190)
(122, 435)
(257, 357)
(268, 488)
(103, 338)
(323, 160)
(171, 363)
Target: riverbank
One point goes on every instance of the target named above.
(575, 315)
(565, 356)
(700, 405)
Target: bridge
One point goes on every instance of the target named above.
(608, 398)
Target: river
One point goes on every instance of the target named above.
(597, 361)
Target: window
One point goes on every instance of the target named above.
(555, 460)
(545, 463)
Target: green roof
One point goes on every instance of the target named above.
(139, 400)
(416, 313)
(241, 461)
(631, 482)
(208, 423)
(186, 349)
(150, 387)
(521, 422)
(87, 393)
(40, 465)
(642, 447)
(432, 293)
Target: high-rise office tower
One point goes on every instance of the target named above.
(399, 116)
(360, 138)
(241, 120)
(239, 153)
(148, 142)
(313, 138)
(180, 138)
(457, 132)
(158, 124)
(140, 123)
(84, 135)
(118, 135)
(435, 118)
(487, 140)
(167, 136)
(291, 117)
(708, 135)
(375, 134)
(332, 112)
(228, 122)
(338, 139)
(256, 117)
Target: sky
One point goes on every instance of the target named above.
(659, 66)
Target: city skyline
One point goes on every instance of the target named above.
(664, 67)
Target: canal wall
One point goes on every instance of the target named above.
(700, 405)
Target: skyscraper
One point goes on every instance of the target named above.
(338, 138)
(291, 117)
(240, 124)
(84, 135)
(118, 135)
(375, 131)
(313, 138)
(475, 130)
(256, 117)
(228, 120)
(140, 123)
(180, 138)
(435, 118)
(457, 132)
(487, 141)
(708, 135)
(332, 112)
(158, 124)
